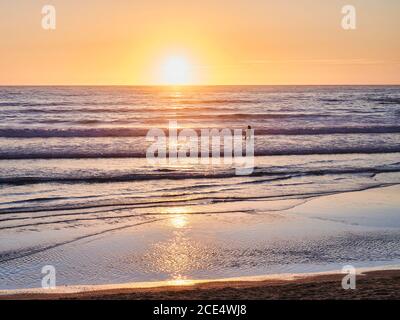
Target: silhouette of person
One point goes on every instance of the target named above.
(248, 132)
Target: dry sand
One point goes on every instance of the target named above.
(370, 285)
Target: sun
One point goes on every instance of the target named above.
(176, 71)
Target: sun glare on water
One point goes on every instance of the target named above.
(176, 71)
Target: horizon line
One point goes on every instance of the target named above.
(193, 85)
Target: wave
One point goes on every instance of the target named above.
(181, 117)
(331, 100)
(141, 132)
(72, 133)
(330, 130)
(32, 104)
(105, 207)
(256, 115)
(104, 154)
(258, 172)
(133, 104)
(119, 109)
(384, 100)
(216, 101)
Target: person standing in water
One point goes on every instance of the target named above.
(248, 132)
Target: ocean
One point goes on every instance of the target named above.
(77, 192)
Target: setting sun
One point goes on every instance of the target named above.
(175, 71)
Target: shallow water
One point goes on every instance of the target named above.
(312, 237)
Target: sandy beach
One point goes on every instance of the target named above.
(370, 285)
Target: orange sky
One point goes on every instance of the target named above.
(223, 42)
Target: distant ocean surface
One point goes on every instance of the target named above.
(72, 159)
(111, 121)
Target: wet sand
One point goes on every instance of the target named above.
(369, 285)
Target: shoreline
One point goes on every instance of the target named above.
(372, 283)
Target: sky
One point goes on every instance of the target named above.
(213, 42)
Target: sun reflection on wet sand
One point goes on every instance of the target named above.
(178, 219)
(180, 254)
